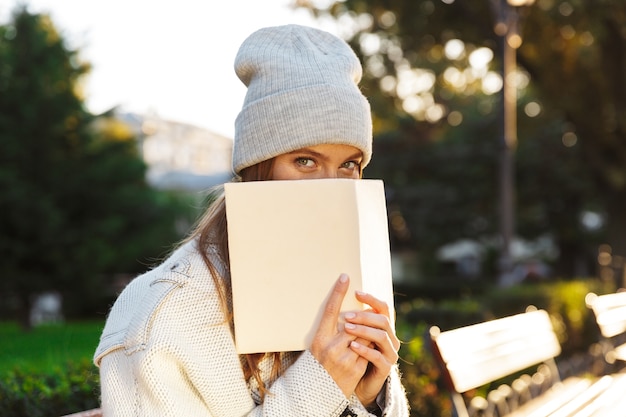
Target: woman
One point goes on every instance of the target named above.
(167, 348)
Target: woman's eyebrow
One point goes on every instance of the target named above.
(356, 155)
(311, 152)
(306, 151)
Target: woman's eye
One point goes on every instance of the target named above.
(351, 165)
(305, 162)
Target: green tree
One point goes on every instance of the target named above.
(73, 198)
(574, 56)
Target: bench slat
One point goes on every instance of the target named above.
(620, 352)
(611, 401)
(575, 407)
(610, 312)
(96, 412)
(553, 399)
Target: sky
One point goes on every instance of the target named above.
(169, 58)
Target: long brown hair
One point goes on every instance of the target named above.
(211, 234)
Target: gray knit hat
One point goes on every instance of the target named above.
(302, 91)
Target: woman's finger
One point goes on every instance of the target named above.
(332, 308)
(372, 326)
(375, 339)
(378, 305)
(381, 364)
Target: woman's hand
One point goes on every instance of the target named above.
(332, 348)
(375, 341)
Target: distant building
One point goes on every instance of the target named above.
(180, 156)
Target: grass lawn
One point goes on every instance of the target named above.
(46, 347)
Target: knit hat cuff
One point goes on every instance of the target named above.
(294, 119)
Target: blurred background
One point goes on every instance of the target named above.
(500, 134)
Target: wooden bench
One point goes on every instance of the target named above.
(89, 413)
(523, 349)
(610, 314)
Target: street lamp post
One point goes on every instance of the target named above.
(507, 27)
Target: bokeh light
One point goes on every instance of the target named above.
(532, 109)
(455, 118)
(480, 58)
(569, 139)
(492, 83)
(454, 49)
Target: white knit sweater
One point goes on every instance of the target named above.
(167, 350)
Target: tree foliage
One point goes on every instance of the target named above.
(576, 54)
(443, 170)
(74, 201)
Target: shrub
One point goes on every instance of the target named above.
(61, 392)
(563, 300)
(420, 374)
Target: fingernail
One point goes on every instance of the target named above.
(350, 315)
(355, 344)
(350, 326)
(358, 292)
(343, 278)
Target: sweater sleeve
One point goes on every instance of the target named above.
(305, 389)
(392, 399)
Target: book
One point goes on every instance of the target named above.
(288, 243)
